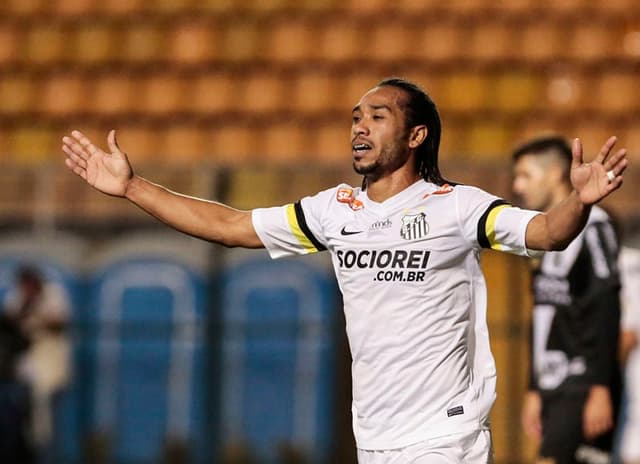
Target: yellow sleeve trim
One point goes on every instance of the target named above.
(490, 227)
(297, 231)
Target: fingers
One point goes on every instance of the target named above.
(84, 141)
(113, 142)
(606, 149)
(78, 145)
(576, 151)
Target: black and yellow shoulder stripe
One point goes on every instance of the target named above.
(487, 225)
(300, 229)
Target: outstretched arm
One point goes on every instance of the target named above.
(591, 182)
(111, 173)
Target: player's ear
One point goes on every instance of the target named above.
(417, 135)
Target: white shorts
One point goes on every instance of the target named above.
(458, 448)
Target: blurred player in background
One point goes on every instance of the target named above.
(575, 378)
(41, 309)
(630, 344)
(405, 248)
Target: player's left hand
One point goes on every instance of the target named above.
(597, 416)
(595, 180)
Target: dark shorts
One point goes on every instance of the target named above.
(563, 439)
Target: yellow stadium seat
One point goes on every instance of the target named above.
(46, 43)
(193, 42)
(516, 91)
(465, 91)
(489, 139)
(568, 92)
(33, 145)
(143, 42)
(94, 43)
(17, 94)
(63, 94)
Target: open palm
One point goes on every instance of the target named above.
(108, 172)
(590, 180)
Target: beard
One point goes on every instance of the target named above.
(391, 158)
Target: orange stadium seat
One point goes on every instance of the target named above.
(261, 92)
(24, 7)
(539, 41)
(73, 7)
(63, 94)
(162, 94)
(331, 143)
(567, 91)
(142, 143)
(184, 144)
(291, 42)
(211, 93)
(193, 42)
(616, 92)
(491, 41)
(629, 136)
(120, 7)
(17, 93)
(285, 141)
(242, 40)
(340, 41)
(388, 41)
(439, 41)
(113, 94)
(93, 42)
(313, 92)
(590, 41)
(172, 6)
(11, 39)
(143, 42)
(234, 144)
(46, 43)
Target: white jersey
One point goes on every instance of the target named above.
(414, 299)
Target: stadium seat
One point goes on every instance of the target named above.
(184, 145)
(143, 42)
(25, 7)
(73, 8)
(439, 42)
(121, 8)
(63, 94)
(388, 41)
(539, 41)
(261, 92)
(331, 143)
(465, 91)
(339, 41)
(590, 41)
(32, 145)
(242, 40)
(491, 41)
(11, 39)
(285, 141)
(489, 139)
(47, 43)
(94, 43)
(290, 42)
(142, 143)
(162, 94)
(616, 93)
(212, 93)
(234, 144)
(516, 92)
(313, 92)
(193, 42)
(18, 93)
(568, 91)
(114, 94)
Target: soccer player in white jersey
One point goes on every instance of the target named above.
(405, 248)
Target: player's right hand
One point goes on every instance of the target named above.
(108, 172)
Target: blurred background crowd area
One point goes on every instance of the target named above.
(249, 102)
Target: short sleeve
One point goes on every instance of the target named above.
(491, 222)
(293, 229)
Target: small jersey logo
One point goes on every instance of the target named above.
(345, 195)
(455, 411)
(414, 226)
(344, 231)
(446, 188)
(381, 225)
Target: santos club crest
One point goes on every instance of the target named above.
(414, 226)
